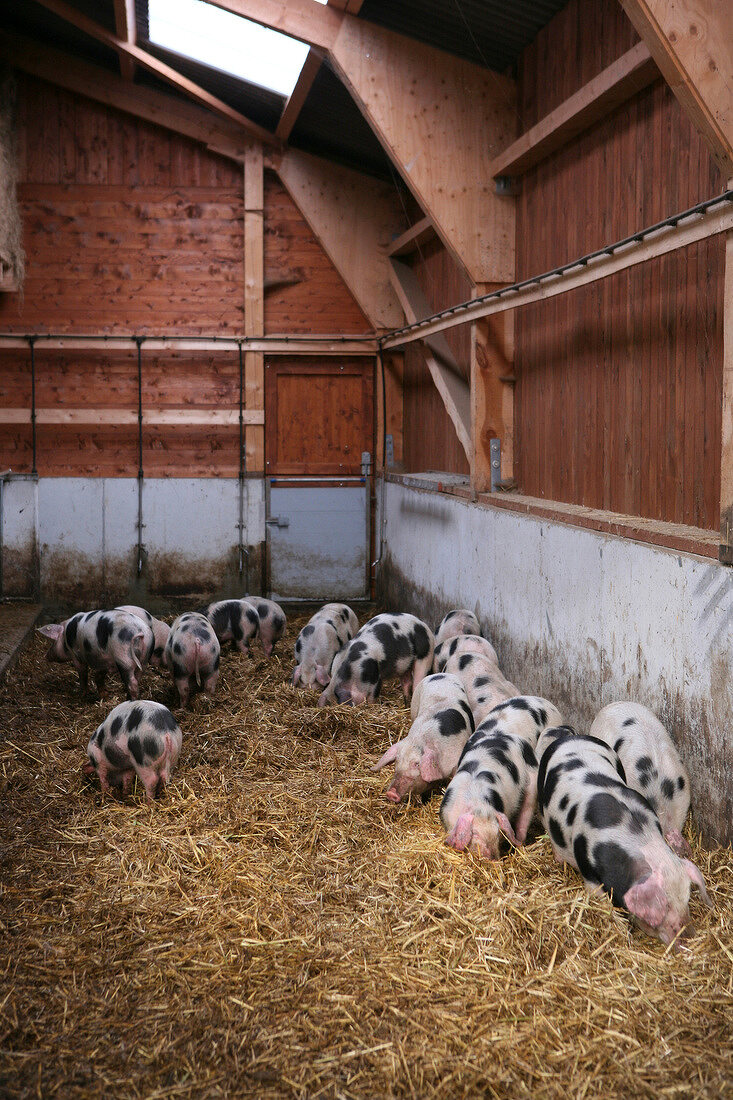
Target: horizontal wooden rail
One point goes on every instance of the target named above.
(151, 417)
(275, 345)
(412, 238)
(688, 228)
(596, 99)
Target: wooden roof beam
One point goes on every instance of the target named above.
(126, 27)
(160, 69)
(440, 119)
(692, 43)
(353, 217)
(105, 87)
(412, 238)
(453, 389)
(620, 81)
(298, 96)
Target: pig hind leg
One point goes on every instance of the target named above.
(184, 689)
(131, 684)
(210, 682)
(100, 679)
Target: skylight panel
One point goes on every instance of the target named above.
(227, 42)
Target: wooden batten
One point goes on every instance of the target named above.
(298, 96)
(254, 300)
(394, 369)
(198, 417)
(354, 218)
(692, 43)
(492, 396)
(411, 240)
(125, 26)
(620, 81)
(726, 457)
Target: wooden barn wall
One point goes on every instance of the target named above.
(132, 229)
(430, 440)
(618, 401)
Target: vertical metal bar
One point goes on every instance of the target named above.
(495, 463)
(140, 473)
(243, 553)
(31, 343)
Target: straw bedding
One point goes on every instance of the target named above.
(274, 927)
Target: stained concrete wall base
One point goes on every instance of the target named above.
(581, 618)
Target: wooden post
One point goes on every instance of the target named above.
(394, 367)
(492, 395)
(726, 455)
(254, 301)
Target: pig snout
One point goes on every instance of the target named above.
(343, 695)
(404, 785)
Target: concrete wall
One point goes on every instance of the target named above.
(581, 618)
(76, 538)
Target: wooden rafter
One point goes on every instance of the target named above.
(620, 81)
(444, 371)
(354, 218)
(298, 96)
(159, 68)
(125, 25)
(411, 240)
(441, 120)
(692, 43)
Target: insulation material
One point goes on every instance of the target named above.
(274, 927)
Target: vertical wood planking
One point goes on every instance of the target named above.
(254, 302)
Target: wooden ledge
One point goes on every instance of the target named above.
(653, 532)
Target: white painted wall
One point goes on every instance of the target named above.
(582, 618)
(85, 530)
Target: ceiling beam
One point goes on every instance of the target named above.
(631, 72)
(152, 64)
(353, 7)
(126, 27)
(105, 87)
(440, 119)
(298, 96)
(692, 43)
(354, 218)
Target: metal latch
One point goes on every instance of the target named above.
(495, 460)
(366, 463)
(278, 521)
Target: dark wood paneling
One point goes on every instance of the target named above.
(618, 398)
(319, 301)
(430, 440)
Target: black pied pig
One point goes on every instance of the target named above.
(387, 646)
(458, 621)
(99, 641)
(494, 788)
(323, 636)
(610, 833)
(272, 621)
(139, 739)
(234, 621)
(192, 654)
(442, 723)
(486, 685)
(652, 764)
(463, 643)
(160, 631)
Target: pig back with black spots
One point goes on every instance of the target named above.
(442, 723)
(494, 788)
(160, 631)
(100, 641)
(652, 764)
(323, 636)
(463, 643)
(192, 654)
(458, 621)
(234, 621)
(137, 738)
(485, 683)
(388, 645)
(272, 621)
(610, 833)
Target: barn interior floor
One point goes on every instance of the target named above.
(16, 622)
(274, 927)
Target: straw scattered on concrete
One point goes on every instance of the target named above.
(274, 927)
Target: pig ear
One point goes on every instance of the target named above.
(296, 674)
(693, 873)
(51, 630)
(322, 675)
(389, 757)
(647, 900)
(429, 770)
(506, 827)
